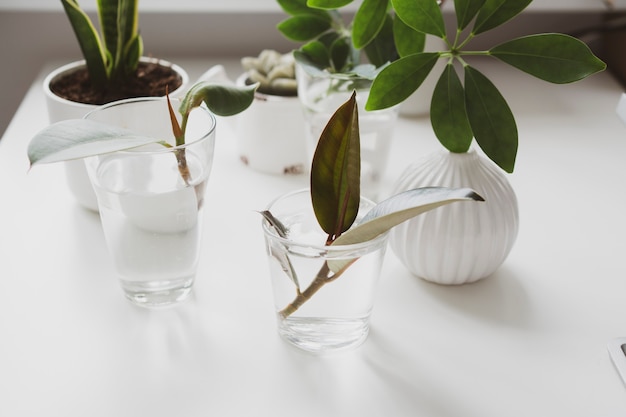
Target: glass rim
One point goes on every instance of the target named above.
(270, 231)
(137, 150)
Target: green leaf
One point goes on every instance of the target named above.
(302, 28)
(368, 21)
(340, 55)
(80, 138)
(465, 11)
(91, 47)
(400, 79)
(408, 40)
(398, 209)
(313, 57)
(491, 119)
(552, 57)
(447, 112)
(336, 171)
(221, 99)
(328, 4)
(132, 53)
(382, 49)
(496, 12)
(422, 15)
(296, 7)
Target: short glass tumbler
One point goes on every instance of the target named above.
(151, 210)
(319, 310)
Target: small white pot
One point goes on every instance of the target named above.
(62, 109)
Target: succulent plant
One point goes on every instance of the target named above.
(273, 71)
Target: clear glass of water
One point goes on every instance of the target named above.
(321, 95)
(151, 212)
(320, 306)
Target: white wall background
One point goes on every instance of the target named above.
(34, 32)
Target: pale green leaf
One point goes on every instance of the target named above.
(80, 138)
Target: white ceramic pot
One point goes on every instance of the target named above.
(270, 134)
(62, 109)
(459, 243)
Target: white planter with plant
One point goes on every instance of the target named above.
(150, 188)
(112, 69)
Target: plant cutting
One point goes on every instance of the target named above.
(342, 241)
(149, 167)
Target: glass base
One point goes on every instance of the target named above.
(323, 335)
(157, 293)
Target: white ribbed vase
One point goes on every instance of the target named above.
(462, 242)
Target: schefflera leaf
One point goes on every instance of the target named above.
(336, 171)
(80, 138)
(398, 209)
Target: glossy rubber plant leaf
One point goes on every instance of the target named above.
(465, 11)
(328, 4)
(400, 79)
(90, 44)
(302, 28)
(408, 40)
(491, 119)
(397, 209)
(336, 171)
(447, 112)
(221, 99)
(553, 57)
(368, 21)
(80, 138)
(496, 12)
(422, 15)
(382, 49)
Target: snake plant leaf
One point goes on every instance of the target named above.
(400, 79)
(447, 112)
(382, 49)
(408, 40)
(90, 45)
(221, 99)
(328, 4)
(132, 53)
(302, 28)
(336, 171)
(491, 119)
(466, 10)
(496, 12)
(80, 138)
(398, 209)
(368, 21)
(422, 15)
(552, 57)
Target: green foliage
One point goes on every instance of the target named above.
(81, 138)
(475, 108)
(115, 55)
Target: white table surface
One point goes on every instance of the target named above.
(529, 341)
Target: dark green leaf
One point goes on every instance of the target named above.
(302, 28)
(80, 138)
(408, 40)
(496, 12)
(336, 171)
(221, 99)
(422, 15)
(382, 48)
(314, 54)
(491, 119)
(328, 4)
(552, 57)
(340, 54)
(447, 112)
(465, 11)
(396, 82)
(368, 21)
(132, 53)
(91, 47)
